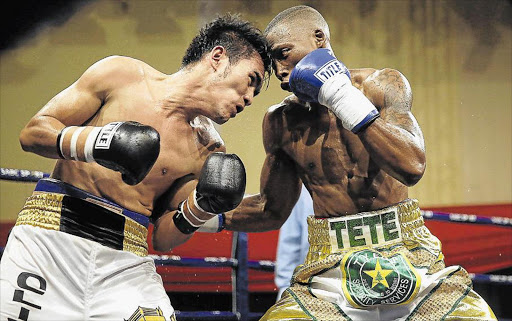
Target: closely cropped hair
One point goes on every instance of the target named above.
(240, 39)
(299, 16)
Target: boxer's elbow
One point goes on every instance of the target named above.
(413, 173)
(158, 243)
(275, 221)
(275, 217)
(166, 244)
(411, 180)
(27, 141)
(28, 137)
(159, 247)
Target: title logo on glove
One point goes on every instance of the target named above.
(106, 134)
(328, 70)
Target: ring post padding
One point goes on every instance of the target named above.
(241, 280)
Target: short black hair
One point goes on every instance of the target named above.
(299, 16)
(240, 39)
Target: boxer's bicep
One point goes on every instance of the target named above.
(280, 186)
(391, 93)
(72, 106)
(394, 140)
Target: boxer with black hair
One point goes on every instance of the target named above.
(133, 145)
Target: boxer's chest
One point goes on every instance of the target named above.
(184, 147)
(324, 150)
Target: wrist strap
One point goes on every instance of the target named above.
(189, 209)
(89, 144)
(222, 220)
(58, 144)
(60, 140)
(182, 223)
(88, 148)
(196, 197)
(367, 121)
(214, 225)
(74, 140)
(348, 103)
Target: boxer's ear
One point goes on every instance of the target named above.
(320, 38)
(216, 56)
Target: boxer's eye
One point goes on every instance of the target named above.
(281, 53)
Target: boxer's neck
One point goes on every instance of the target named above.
(187, 91)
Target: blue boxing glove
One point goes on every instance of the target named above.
(312, 71)
(321, 78)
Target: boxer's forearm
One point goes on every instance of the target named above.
(398, 151)
(166, 235)
(254, 214)
(40, 136)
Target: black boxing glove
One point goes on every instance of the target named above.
(221, 184)
(220, 188)
(127, 147)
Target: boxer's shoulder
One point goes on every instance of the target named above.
(284, 107)
(275, 112)
(384, 87)
(273, 125)
(117, 70)
(385, 75)
(207, 134)
(358, 75)
(362, 75)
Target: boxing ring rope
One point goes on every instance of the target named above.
(22, 175)
(240, 264)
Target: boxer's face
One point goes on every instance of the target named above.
(288, 46)
(235, 87)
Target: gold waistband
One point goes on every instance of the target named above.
(385, 227)
(43, 210)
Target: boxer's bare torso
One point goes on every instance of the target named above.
(345, 173)
(332, 162)
(126, 89)
(183, 151)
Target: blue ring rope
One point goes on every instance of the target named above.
(23, 175)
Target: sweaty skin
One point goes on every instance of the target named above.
(345, 173)
(178, 106)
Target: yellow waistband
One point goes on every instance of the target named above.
(375, 229)
(43, 210)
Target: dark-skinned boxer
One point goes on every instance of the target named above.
(351, 138)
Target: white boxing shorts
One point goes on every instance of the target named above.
(69, 257)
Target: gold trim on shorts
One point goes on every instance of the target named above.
(331, 235)
(43, 210)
